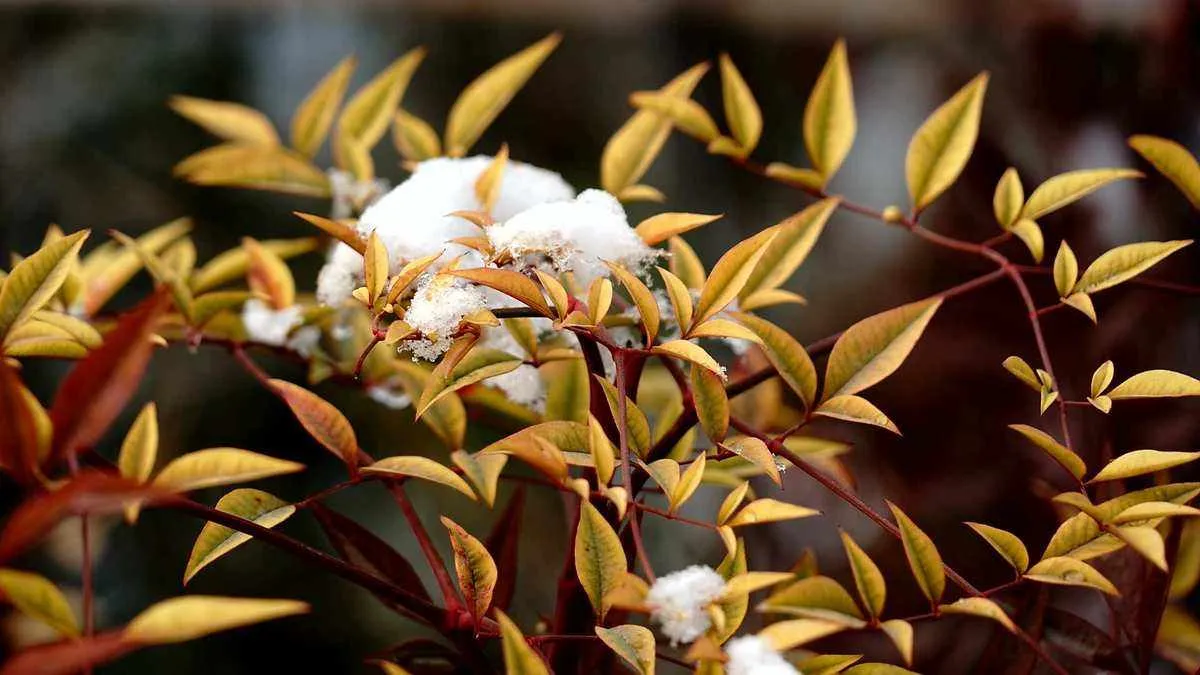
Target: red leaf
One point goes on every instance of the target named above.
(99, 386)
(68, 656)
(19, 440)
(325, 423)
(502, 544)
(90, 492)
(360, 547)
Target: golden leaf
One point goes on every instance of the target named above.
(216, 540)
(1152, 510)
(1008, 198)
(1065, 188)
(414, 138)
(867, 578)
(220, 466)
(691, 352)
(467, 369)
(767, 510)
(601, 450)
(661, 227)
(923, 558)
(229, 121)
(35, 280)
(643, 299)
(447, 418)
(1030, 233)
(687, 484)
(108, 267)
(786, 635)
(805, 179)
(599, 559)
(637, 426)
(519, 657)
(1101, 378)
(1070, 572)
(1173, 161)
(408, 274)
(681, 299)
(76, 329)
(794, 238)
(855, 409)
(1146, 541)
(1023, 372)
(475, 568)
(139, 449)
(1156, 384)
(787, 356)
(600, 294)
(367, 114)
(941, 147)
(1139, 462)
(757, 453)
(900, 632)
(1123, 263)
(1007, 544)
(487, 185)
(634, 644)
(232, 264)
(482, 100)
(483, 471)
(508, 282)
(420, 467)
(730, 274)
(741, 110)
(194, 616)
(255, 167)
(982, 607)
(320, 419)
(874, 348)
(1066, 270)
(712, 404)
(315, 115)
(685, 264)
(375, 265)
(687, 115)
(815, 597)
(36, 597)
(1057, 451)
(830, 122)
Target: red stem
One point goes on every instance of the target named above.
(436, 564)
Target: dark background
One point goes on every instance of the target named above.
(86, 140)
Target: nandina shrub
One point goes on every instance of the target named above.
(614, 367)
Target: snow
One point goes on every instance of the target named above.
(269, 326)
(753, 655)
(678, 601)
(437, 309)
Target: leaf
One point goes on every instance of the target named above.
(900, 632)
(731, 502)
(692, 353)
(375, 266)
(255, 167)
(1030, 233)
(685, 264)
(681, 298)
(730, 274)
(1139, 462)
(982, 607)
(361, 548)
(767, 510)
(519, 657)
(642, 298)
(1008, 198)
(633, 148)
(794, 239)
(787, 635)
(1123, 263)
(1066, 270)
(216, 540)
(787, 356)
(190, 617)
(634, 644)
(1057, 451)
(855, 409)
(827, 664)
(805, 179)
(476, 366)
(1023, 372)
(475, 569)
(220, 466)
(37, 597)
(414, 138)
(741, 110)
(1065, 188)
(874, 348)
(310, 124)
(232, 264)
(321, 420)
(867, 578)
(712, 404)
(941, 147)
(723, 328)
(816, 597)
(923, 557)
(1007, 544)
(420, 467)
(600, 294)
(1070, 572)
(447, 418)
(1173, 161)
(483, 471)
(79, 330)
(830, 122)
(21, 448)
(687, 115)
(508, 282)
(1146, 541)
(689, 482)
(482, 100)
(36, 280)
(98, 387)
(1152, 510)
(599, 559)
(757, 453)
(1156, 384)
(367, 114)
(637, 427)
(229, 121)
(661, 227)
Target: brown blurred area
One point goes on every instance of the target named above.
(86, 140)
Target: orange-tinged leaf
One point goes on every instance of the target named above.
(741, 110)
(255, 167)
(194, 616)
(730, 274)
(367, 114)
(338, 230)
(375, 265)
(475, 569)
(687, 115)
(512, 284)
(325, 423)
(268, 275)
(229, 121)
(423, 468)
(685, 264)
(310, 124)
(661, 227)
(20, 446)
(231, 265)
(107, 268)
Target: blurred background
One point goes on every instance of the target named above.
(86, 140)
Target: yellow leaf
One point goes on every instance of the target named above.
(1139, 462)
(757, 453)
(855, 409)
(691, 352)
(1123, 263)
(35, 596)
(599, 559)
(687, 485)
(787, 356)
(1152, 510)
(483, 471)
(162, 274)
(1101, 378)
(482, 100)
(1007, 544)
(1173, 161)
(681, 299)
(53, 348)
(321, 420)
(1066, 270)
(923, 557)
(567, 395)
(712, 404)
(900, 632)
(730, 274)
(752, 582)
(467, 369)
(256, 167)
(600, 294)
(878, 669)
(805, 179)
(367, 114)
(390, 668)
(108, 267)
(508, 282)
(220, 466)
(642, 298)
(1155, 384)
(874, 348)
(815, 597)
(194, 616)
(770, 297)
(642, 193)
(685, 264)
(376, 264)
(420, 467)
(519, 657)
(1030, 233)
(787, 635)
(1057, 451)
(659, 228)
(140, 446)
(1008, 198)
(487, 186)
(633, 148)
(982, 607)
(723, 328)
(794, 239)
(687, 115)
(1068, 187)
(447, 418)
(941, 147)
(315, 115)
(36, 280)
(602, 452)
(229, 121)
(827, 664)
(741, 110)
(1070, 572)
(232, 264)
(867, 578)
(408, 274)
(1022, 371)
(475, 568)
(76, 329)
(829, 117)
(731, 502)
(636, 424)
(215, 540)
(414, 138)
(634, 644)
(1147, 542)
(767, 510)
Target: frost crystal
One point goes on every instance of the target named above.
(573, 235)
(678, 601)
(753, 655)
(437, 308)
(269, 326)
(351, 195)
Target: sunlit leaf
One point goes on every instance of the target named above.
(508, 282)
(1155, 384)
(941, 147)
(1070, 572)
(1008, 198)
(220, 466)
(476, 366)
(270, 278)
(1068, 187)
(642, 298)
(816, 597)
(741, 110)
(855, 409)
(325, 423)
(483, 471)
(475, 569)
(1007, 544)
(767, 510)
(216, 540)
(635, 420)
(685, 264)
(982, 607)
(830, 122)
(923, 557)
(36, 279)
(1123, 263)
(1173, 161)
(691, 352)
(794, 238)
(900, 632)
(367, 114)
(1057, 451)
(194, 616)
(757, 453)
(661, 227)
(786, 635)
(1030, 233)
(310, 124)
(1066, 270)
(687, 115)
(874, 348)
(1152, 510)
(634, 644)
(423, 468)
(232, 264)
(37, 597)
(1139, 462)
(805, 179)
(867, 578)
(229, 121)
(519, 657)
(1146, 541)
(731, 502)
(255, 167)
(414, 138)
(787, 356)
(599, 558)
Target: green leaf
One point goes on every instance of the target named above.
(830, 122)
(36, 280)
(741, 110)
(194, 616)
(35, 596)
(216, 540)
(1123, 263)
(1156, 384)
(1007, 544)
(1008, 198)
(867, 577)
(634, 644)
(1140, 462)
(941, 147)
(475, 568)
(1173, 161)
(923, 557)
(599, 558)
(1057, 451)
(1065, 188)
(874, 348)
